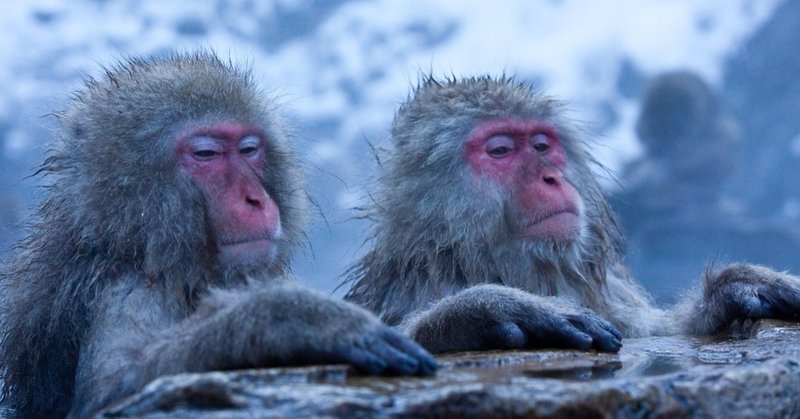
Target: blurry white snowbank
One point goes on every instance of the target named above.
(379, 48)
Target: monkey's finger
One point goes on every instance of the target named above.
(613, 330)
(427, 363)
(606, 328)
(564, 335)
(598, 325)
(747, 304)
(606, 342)
(571, 337)
(554, 331)
(396, 361)
(603, 339)
(505, 335)
(784, 301)
(364, 361)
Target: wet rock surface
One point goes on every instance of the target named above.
(650, 377)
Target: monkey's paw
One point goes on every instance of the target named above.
(496, 317)
(313, 328)
(379, 349)
(754, 292)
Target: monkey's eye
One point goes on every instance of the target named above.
(499, 146)
(204, 148)
(249, 145)
(204, 154)
(541, 143)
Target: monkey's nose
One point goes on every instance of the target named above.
(255, 202)
(552, 179)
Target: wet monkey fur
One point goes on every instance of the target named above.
(491, 231)
(163, 245)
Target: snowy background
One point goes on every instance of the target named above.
(341, 68)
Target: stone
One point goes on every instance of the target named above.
(754, 376)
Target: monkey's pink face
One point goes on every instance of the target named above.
(224, 161)
(527, 159)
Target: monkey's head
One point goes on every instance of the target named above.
(509, 164)
(179, 163)
(677, 110)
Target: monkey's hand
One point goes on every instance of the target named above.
(743, 291)
(138, 337)
(302, 326)
(497, 317)
(347, 333)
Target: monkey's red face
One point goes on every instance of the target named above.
(224, 161)
(527, 159)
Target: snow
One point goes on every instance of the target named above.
(381, 46)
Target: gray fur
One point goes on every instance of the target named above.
(436, 243)
(737, 293)
(117, 282)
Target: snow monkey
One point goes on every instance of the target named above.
(163, 244)
(491, 231)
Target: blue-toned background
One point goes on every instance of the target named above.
(340, 68)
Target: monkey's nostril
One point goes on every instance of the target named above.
(550, 180)
(253, 202)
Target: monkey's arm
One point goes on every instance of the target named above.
(739, 292)
(630, 308)
(140, 333)
(497, 317)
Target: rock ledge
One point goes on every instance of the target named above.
(651, 377)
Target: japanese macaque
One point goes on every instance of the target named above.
(163, 246)
(679, 203)
(491, 231)
(692, 149)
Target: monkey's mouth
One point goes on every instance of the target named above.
(560, 224)
(244, 241)
(247, 250)
(546, 216)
